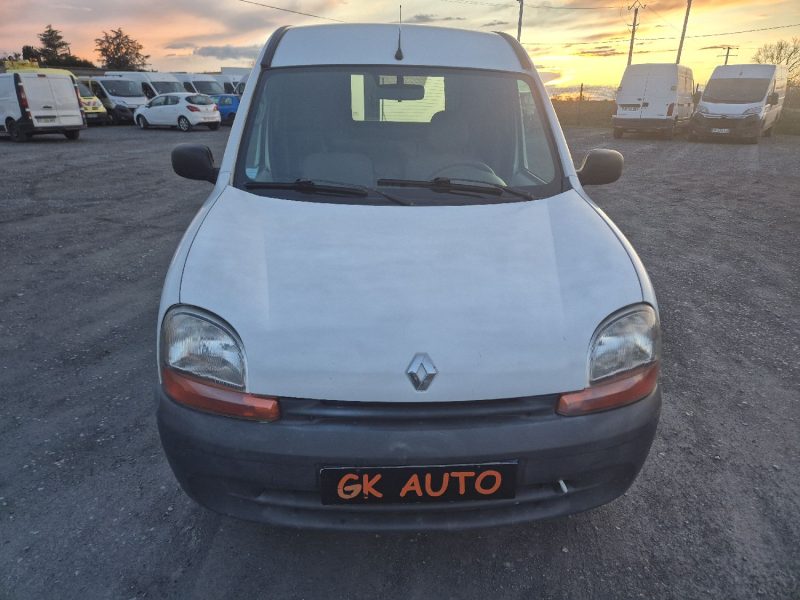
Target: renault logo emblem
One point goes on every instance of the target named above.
(421, 371)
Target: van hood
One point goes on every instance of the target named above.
(333, 301)
(728, 110)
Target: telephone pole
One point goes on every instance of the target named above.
(683, 33)
(728, 52)
(635, 7)
(519, 23)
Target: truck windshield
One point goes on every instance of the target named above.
(736, 91)
(480, 135)
(208, 87)
(167, 87)
(122, 87)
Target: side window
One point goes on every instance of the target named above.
(227, 101)
(173, 100)
(535, 152)
(147, 90)
(158, 102)
(98, 91)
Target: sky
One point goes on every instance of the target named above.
(573, 42)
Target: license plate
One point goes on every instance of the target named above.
(717, 130)
(46, 119)
(630, 108)
(439, 483)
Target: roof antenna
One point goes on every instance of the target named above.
(399, 54)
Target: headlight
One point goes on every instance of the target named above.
(625, 342)
(193, 343)
(623, 363)
(755, 110)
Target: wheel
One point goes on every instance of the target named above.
(183, 124)
(213, 126)
(72, 135)
(617, 133)
(142, 122)
(229, 119)
(15, 133)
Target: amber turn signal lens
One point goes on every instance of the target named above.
(218, 399)
(615, 392)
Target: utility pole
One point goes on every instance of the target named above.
(519, 23)
(635, 7)
(728, 52)
(683, 33)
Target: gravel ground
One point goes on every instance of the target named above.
(90, 509)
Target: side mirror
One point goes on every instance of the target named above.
(194, 161)
(601, 166)
(696, 97)
(773, 98)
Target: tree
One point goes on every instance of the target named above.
(14, 56)
(783, 52)
(53, 45)
(120, 52)
(31, 53)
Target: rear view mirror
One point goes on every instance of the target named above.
(401, 91)
(773, 98)
(194, 161)
(601, 166)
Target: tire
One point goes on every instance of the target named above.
(15, 133)
(142, 122)
(184, 124)
(617, 133)
(72, 135)
(112, 120)
(229, 119)
(213, 126)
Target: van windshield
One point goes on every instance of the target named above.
(167, 87)
(392, 130)
(208, 87)
(84, 90)
(122, 87)
(736, 91)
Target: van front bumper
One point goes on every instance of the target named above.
(643, 124)
(742, 127)
(269, 472)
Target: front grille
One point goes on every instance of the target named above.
(532, 407)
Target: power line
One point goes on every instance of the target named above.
(546, 6)
(295, 12)
(705, 35)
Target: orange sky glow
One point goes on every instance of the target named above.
(581, 41)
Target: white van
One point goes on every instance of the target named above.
(152, 83)
(228, 82)
(200, 83)
(399, 308)
(741, 101)
(654, 97)
(121, 96)
(33, 102)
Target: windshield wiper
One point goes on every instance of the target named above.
(448, 185)
(308, 186)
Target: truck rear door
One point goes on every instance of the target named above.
(41, 100)
(67, 105)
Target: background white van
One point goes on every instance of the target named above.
(152, 83)
(200, 83)
(654, 97)
(741, 101)
(121, 96)
(37, 102)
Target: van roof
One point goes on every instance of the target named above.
(749, 70)
(375, 44)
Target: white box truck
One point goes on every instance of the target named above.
(741, 101)
(654, 98)
(34, 102)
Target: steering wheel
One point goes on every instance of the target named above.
(466, 169)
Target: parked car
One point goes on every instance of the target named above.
(93, 109)
(228, 107)
(398, 308)
(182, 110)
(40, 101)
(121, 97)
(741, 101)
(152, 83)
(200, 83)
(654, 98)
